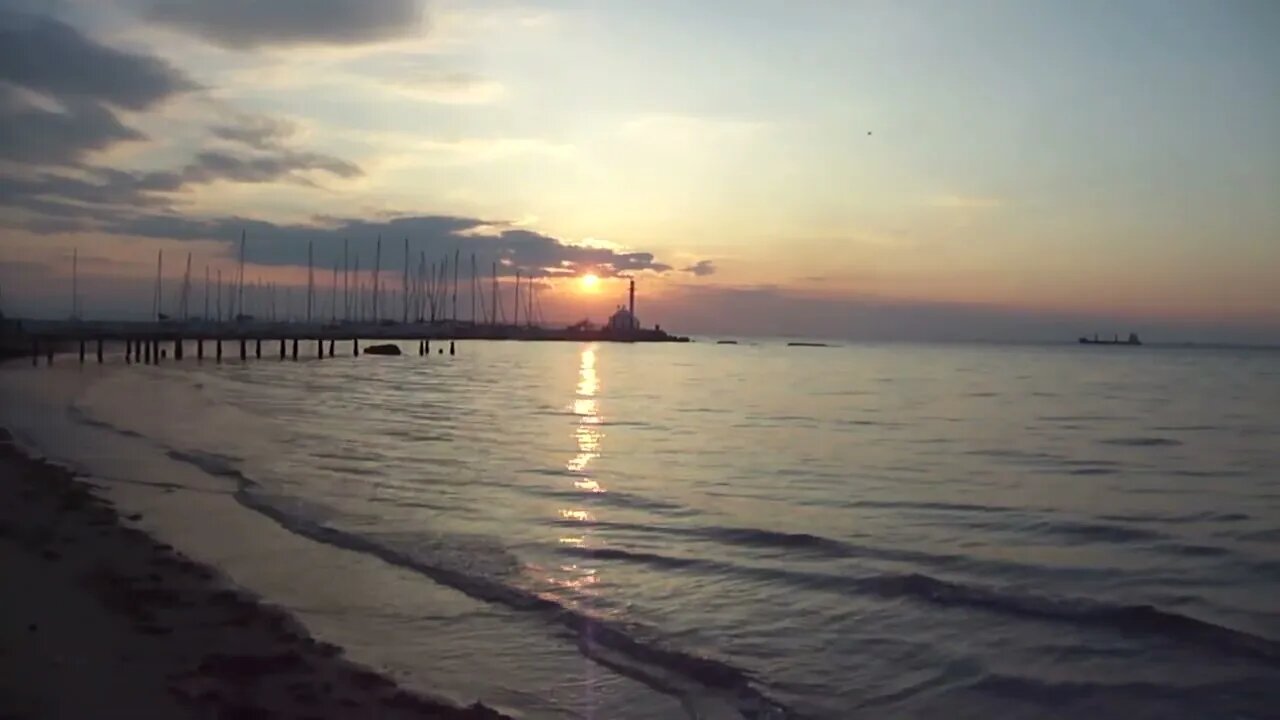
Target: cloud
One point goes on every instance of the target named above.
(256, 131)
(702, 268)
(451, 88)
(32, 134)
(279, 244)
(963, 202)
(57, 88)
(52, 58)
(254, 23)
(284, 164)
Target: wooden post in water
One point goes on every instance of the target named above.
(426, 347)
(355, 347)
(257, 348)
(99, 351)
(295, 348)
(219, 349)
(82, 352)
(177, 348)
(281, 348)
(320, 348)
(421, 352)
(330, 347)
(128, 349)
(244, 353)
(48, 353)
(155, 350)
(451, 347)
(200, 348)
(35, 352)
(147, 353)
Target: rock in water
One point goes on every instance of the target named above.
(388, 349)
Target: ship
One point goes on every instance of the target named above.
(1095, 340)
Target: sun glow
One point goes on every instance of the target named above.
(589, 282)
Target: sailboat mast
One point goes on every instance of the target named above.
(186, 291)
(377, 268)
(404, 286)
(240, 279)
(311, 277)
(333, 296)
(159, 301)
(75, 283)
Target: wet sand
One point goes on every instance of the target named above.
(98, 619)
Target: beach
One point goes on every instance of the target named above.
(99, 619)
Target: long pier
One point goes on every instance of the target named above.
(149, 342)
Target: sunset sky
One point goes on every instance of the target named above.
(997, 169)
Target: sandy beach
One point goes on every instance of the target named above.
(98, 619)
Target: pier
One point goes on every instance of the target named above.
(153, 342)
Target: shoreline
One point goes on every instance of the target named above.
(100, 619)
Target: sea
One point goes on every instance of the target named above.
(751, 531)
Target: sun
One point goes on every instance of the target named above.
(589, 282)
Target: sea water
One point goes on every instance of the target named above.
(728, 531)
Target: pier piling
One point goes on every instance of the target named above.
(199, 348)
(218, 349)
(281, 348)
(177, 348)
(421, 351)
(295, 348)
(244, 354)
(147, 353)
(99, 351)
(355, 347)
(81, 352)
(451, 352)
(330, 347)
(319, 348)
(426, 347)
(257, 348)
(128, 349)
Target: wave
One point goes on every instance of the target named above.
(1146, 619)
(77, 414)
(614, 644)
(1142, 441)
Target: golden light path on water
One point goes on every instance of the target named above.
(575, 579)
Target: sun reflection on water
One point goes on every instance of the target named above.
(571, 579)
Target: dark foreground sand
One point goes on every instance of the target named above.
(99, 620)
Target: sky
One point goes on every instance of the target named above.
(989, 169)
